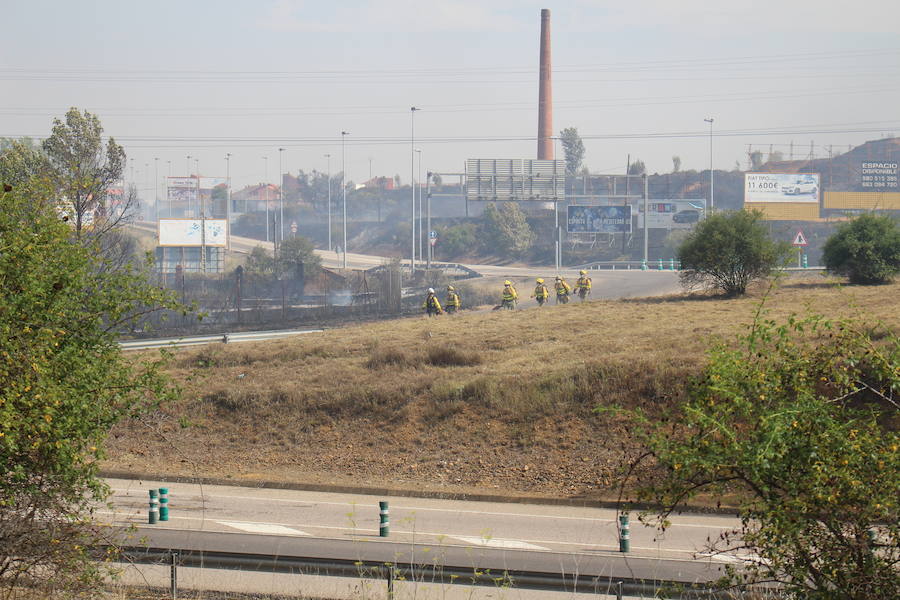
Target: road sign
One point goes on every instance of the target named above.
(294, 227)
(432, 235)
(800, 239)
(432, 241)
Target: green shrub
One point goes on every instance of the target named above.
(728, 250)
(865, 250)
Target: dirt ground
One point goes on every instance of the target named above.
(482, 403)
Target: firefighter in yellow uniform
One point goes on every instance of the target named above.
(583, 285)
(541, 293)
(432, 305)
(453, 303)
(510, 296)
(562, 290)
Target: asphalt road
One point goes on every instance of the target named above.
(462, 533)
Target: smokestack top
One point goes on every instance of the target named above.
(545, 13)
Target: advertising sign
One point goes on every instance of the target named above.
(598, 219)
(781, 187)
(672, 214)
(186, 232)
(878, 175)
(181, 189)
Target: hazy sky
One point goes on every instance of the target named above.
(202, 78)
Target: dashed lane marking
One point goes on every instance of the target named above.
(269, 528)
(497, 543)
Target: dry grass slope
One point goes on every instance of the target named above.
(500, 401)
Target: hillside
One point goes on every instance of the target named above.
(480, 402)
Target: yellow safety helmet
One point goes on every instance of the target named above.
(540, 280)
(582, 272)
(558, 278)
(507, 282)
(449, 288)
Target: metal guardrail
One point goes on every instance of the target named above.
(224, 338)
(422, 573)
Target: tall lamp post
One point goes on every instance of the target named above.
(344, 134)
(712, 204)
(328, 156)
(228, 201)
(281, 193)
(266, 183)
(156, 185)
(412, 177)
(419, 185)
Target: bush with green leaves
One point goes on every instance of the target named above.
(63, 384)
(866, 250)
(797, 425)
(506, 230)
(727, 251)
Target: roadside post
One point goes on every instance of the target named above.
(163, 504)
(624, 534)
(153, 517)
(800, 242)
(384, 526)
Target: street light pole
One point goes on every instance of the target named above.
(328, 156)
(266, 183)
(421, 253)
(155, 185)
(281, 192)
(712, 204)
(412, 185)
(428, 217)
(228, 201)
(344, 134)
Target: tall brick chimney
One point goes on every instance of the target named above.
(545, 94)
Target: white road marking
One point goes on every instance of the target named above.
(497, 543)
(268, 528)
(447, 510)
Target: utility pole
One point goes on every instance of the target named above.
(266, 183)
(155, 186)
(412, 184)
(344, 134)
(281, 192)
(712, 204)
(228, 201)
(328, 156)
(428, 217)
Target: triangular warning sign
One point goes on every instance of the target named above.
(800, 240)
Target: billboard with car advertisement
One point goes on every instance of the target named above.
(186, 232)
(598, 219)
(672, 214)
(781, 187)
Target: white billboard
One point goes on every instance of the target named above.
(676, 213)
(186, 232)
(781, 187)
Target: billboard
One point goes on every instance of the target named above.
(672, 214)
(598, 219)
(878, 176)
(501, 179)
(186, 232)
(781, 187)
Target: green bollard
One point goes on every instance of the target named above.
(163, 504)
(384, 526)
(644, 265)
(660, 265)
(805, 261)
(154, 507)
(624, 534)
(671, 264)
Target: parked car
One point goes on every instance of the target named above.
(686, 216)
(802, 186)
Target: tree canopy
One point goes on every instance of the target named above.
(728, 250)
(797, 424)
(573, 148)
(506, 229)
(865, 250)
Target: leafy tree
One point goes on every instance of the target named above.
(866, 250)
(457, 240)
(82, 169)
(21, 162)
(676, 164)
(794, 424)
(437, 180)
(260, 262)
(63, 384)
(296, 251)
(728, 250)
(573, 148)
(506, 229)
(637, 167)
